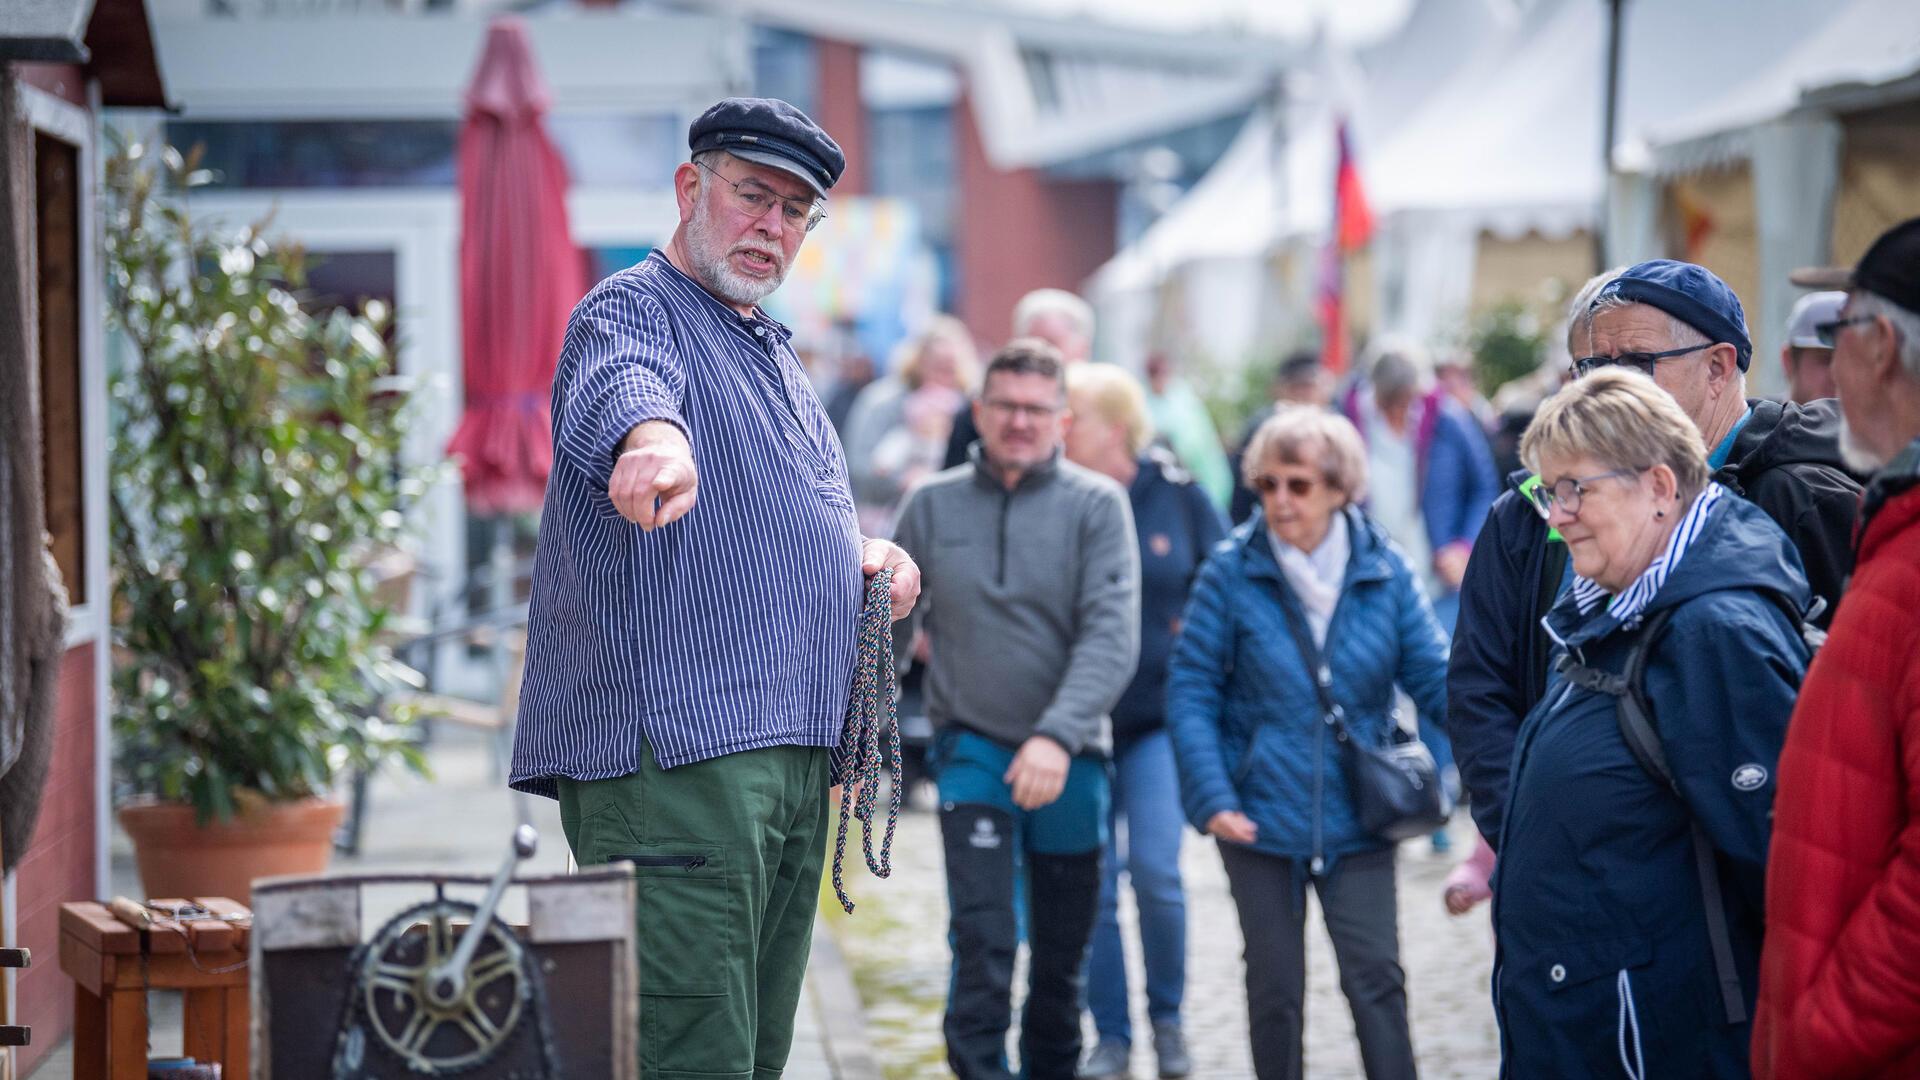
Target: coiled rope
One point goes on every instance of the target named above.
(872, 720)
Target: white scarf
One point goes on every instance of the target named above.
(1316, 576)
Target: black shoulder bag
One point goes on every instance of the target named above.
(1397, 792)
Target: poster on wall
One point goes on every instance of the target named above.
(863, 280)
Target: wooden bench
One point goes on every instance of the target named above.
(113, 965)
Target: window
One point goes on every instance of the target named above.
(323, 153)
(785, 67)
(619, 149)
(57, 227)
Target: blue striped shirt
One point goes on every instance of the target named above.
(731, 629)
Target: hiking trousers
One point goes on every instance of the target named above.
(727, 858)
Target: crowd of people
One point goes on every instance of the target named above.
(1671, 658)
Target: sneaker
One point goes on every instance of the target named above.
(1107, 1062)
(1170, 1048)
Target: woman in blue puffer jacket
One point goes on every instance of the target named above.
(1261, 771)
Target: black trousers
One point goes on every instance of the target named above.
(1358, 902)
(1062, 895)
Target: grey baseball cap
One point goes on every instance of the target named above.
(1810, 311)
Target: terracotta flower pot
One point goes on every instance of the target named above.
(179, 858)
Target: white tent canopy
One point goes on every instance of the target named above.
(1481, 116)
(1868, 45)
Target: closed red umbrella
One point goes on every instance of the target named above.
(520, 275)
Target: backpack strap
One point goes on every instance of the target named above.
(1634, 714)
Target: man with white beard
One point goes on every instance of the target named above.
(1839, 992)
(697, 591)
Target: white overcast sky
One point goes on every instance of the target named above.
(1354, 20)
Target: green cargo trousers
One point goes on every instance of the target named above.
(727, 855)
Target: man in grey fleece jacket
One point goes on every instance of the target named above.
(1031, 597)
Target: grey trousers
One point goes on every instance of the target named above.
(1358, 902)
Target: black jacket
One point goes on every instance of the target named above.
(1786, 461)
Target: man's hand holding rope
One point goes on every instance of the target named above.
(876, 555)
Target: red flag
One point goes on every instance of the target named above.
(1353, 221)
(1352, 228)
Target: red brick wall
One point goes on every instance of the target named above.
(842, 113)
(1019, 231)
(60, 864)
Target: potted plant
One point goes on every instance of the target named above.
(256, 471)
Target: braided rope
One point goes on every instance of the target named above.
(871, 720)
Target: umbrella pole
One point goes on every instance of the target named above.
(499, 599)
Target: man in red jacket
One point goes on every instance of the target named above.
(1839, 984)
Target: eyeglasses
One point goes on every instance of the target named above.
(1011, 409)
(1567, 492)
(1643, 362)
(1829, 332)
(1297, 486)
(754, 198)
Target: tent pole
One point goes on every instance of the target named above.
(1610, 118)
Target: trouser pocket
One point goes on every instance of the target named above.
(696, 979)
(684, 919)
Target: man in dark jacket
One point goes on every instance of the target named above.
(1684, 326)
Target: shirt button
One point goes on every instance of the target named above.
(759, 331)
(1558, 973)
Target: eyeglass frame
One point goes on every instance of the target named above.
(1643, 362)
(1298, 487)
(1039, 414)
(814, 213)
(1829, 331)
(1544, 497)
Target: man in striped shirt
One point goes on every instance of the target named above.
(697, 587)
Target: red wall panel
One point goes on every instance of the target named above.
(1021, 230)
(60, 864)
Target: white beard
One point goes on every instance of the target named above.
(1856, 454)
(710, 263)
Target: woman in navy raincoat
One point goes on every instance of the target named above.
(1627, 907)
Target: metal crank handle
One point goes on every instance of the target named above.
(449, 981)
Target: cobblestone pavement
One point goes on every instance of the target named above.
(895, 942)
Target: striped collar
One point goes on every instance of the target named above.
(1634, 598)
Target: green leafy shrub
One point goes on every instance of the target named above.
(256, 468)
(1508, 340)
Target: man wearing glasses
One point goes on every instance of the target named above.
(696, 595)
(1033, 605)
(1682, 325)
(1839, 994)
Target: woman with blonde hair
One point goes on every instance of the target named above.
(1262, 768)
(1176, 526)
(1628, 892)
(899, 415)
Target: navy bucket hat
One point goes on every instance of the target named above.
(1693, 294)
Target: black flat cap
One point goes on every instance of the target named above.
(768, 131)
(1890, 268)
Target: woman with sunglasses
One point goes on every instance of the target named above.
(1628, 893)
(1308, 577)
